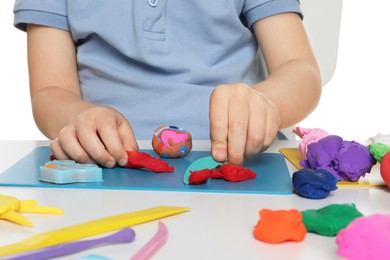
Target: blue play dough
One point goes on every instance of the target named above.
(314, 184)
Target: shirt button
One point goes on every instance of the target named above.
(153, 3)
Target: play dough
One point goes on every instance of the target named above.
(228, 172)
(366, 238)
(385, 169)
(138, 160)
(346, 160)
(171, 142)
(199, 177)
(313, 184)
(329, 220)
(236, 173)
(308, 135)
(378, 150)
(278, 226)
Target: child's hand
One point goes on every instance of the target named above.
(98, 135)
(243, 122)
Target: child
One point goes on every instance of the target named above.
(103, 73)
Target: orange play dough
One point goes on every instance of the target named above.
(278, 226)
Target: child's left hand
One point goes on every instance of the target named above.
(243, 122)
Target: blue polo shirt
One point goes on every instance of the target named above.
(157, 61)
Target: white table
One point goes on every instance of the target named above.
(219, 226)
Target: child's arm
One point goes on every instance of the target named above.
(82, 131)
(245, 121)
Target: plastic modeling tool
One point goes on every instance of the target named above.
(154, 244)
(126, 235)
(203, 163)
(90, 228)
(68, 171)
(11, 206)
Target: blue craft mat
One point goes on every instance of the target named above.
(272, 176)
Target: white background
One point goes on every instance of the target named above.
(354, 101)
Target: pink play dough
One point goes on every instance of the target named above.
(366, 238)
(308, 135)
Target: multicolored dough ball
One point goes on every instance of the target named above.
(171, 142)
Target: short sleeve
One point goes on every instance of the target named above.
(50, 13)
(255, 10)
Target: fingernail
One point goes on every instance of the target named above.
(131, 148)
(122, 162)
(110, 164)
(219, 154)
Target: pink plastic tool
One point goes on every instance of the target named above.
(154, 244)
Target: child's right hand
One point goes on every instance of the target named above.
(97, 135)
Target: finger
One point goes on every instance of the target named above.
(70, 145)
(273, 124)
(93, 145)
(57, 150)
(238, 127)
(128, 140)
(112, 134)
(256, 128)
(218, 115)
(127, 136)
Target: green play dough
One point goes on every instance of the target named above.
(378, 150)
(329, 220)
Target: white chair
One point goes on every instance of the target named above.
(322, 23)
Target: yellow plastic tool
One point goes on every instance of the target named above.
(90, 228)
(11, 206)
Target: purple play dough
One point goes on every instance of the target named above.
(346, 160)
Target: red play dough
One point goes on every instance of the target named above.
(236, 173)
(143, 160)
(216, 173)
(228, 172)
(199, 177)
(385, 168)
